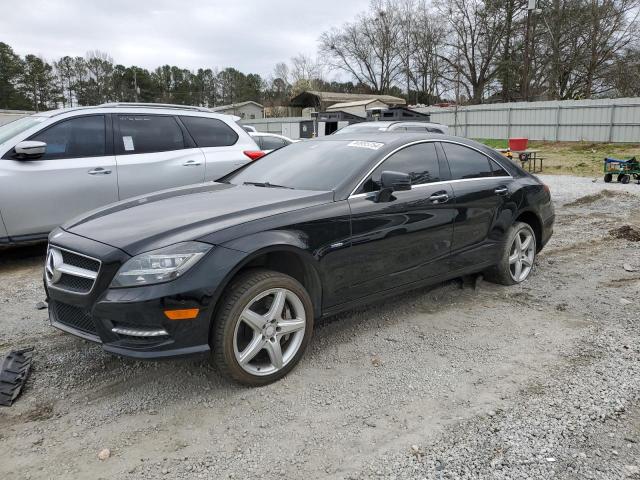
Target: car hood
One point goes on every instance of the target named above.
(163, 218)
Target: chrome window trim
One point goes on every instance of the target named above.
(358, 195)
(49, 285)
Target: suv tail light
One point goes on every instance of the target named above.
(254, 154)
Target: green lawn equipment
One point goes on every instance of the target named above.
(624, 169)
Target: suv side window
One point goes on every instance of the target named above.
(210, 132)
(465, 162)
(420, 161)
(148, 133)
(76, 137)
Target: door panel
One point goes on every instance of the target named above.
(477, 205)
(38, 195)
(154, 152)
(76, 173)
(223, 160)
(402, 241)
(480, 195)
(221, 145)
(148, 172)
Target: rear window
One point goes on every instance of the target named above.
(210, 132)
(149, 133)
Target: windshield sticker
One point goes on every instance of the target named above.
(369, 145)
(128, 143)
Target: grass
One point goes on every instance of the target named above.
(575, 158)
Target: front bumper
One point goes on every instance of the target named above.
(137, 310)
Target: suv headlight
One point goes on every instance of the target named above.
(158, 266)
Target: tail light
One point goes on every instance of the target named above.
(254, 154)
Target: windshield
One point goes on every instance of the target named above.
(310, 165)
(12, 129)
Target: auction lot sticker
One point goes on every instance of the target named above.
(369, 145)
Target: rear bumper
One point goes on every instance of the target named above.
(547, 230)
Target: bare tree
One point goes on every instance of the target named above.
(368, 48)
(476, 32)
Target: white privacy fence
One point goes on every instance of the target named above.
(610, 120)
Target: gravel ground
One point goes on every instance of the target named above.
(540, 380)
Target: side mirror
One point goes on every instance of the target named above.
(391, 182)
(30, 149)
(397, 181)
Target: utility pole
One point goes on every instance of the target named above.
(532, 8)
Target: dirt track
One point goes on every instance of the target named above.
(538, 381)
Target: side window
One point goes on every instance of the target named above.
(210, 132)
(258, 141)
(148, 133)
(73, 138)
(272, 143)
(420, 161)
(466, 163)
(498, 170)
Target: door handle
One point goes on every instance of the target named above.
(99, 171)
(439, 198)
(191, 163)
(501, 190)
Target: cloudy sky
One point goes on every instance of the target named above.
(251, 35)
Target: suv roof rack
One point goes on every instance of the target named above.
(155, 105)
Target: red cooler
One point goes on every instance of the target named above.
(518, 144)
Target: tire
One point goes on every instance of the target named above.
(619, 179)
(608, 177)
(246, 350)
(625, 179)
(504, 273)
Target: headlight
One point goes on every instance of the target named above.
(161, 265)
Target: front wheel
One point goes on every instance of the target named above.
(625, 179)
(262, 328)
(518, 256)
(608, 177)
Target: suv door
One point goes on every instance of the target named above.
(219, 143)
(481, 189)
(408, 238)
(77, 173)
(154, 152)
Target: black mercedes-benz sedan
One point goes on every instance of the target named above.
(241, 268)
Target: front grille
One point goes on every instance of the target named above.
(80, 261)
(70, 271)
(75, 284)
(73, 317)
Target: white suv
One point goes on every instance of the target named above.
(55, 165)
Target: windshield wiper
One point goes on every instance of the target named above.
(266, 185)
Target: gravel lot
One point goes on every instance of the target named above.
(536, 381)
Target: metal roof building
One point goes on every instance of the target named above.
(321, 101)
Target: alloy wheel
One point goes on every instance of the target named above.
(269, 331)
(522, 255)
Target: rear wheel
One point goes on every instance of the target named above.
(625, 179)
(518, 256)
(263, 326)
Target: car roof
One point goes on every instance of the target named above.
(389, 123)
(140, 108)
